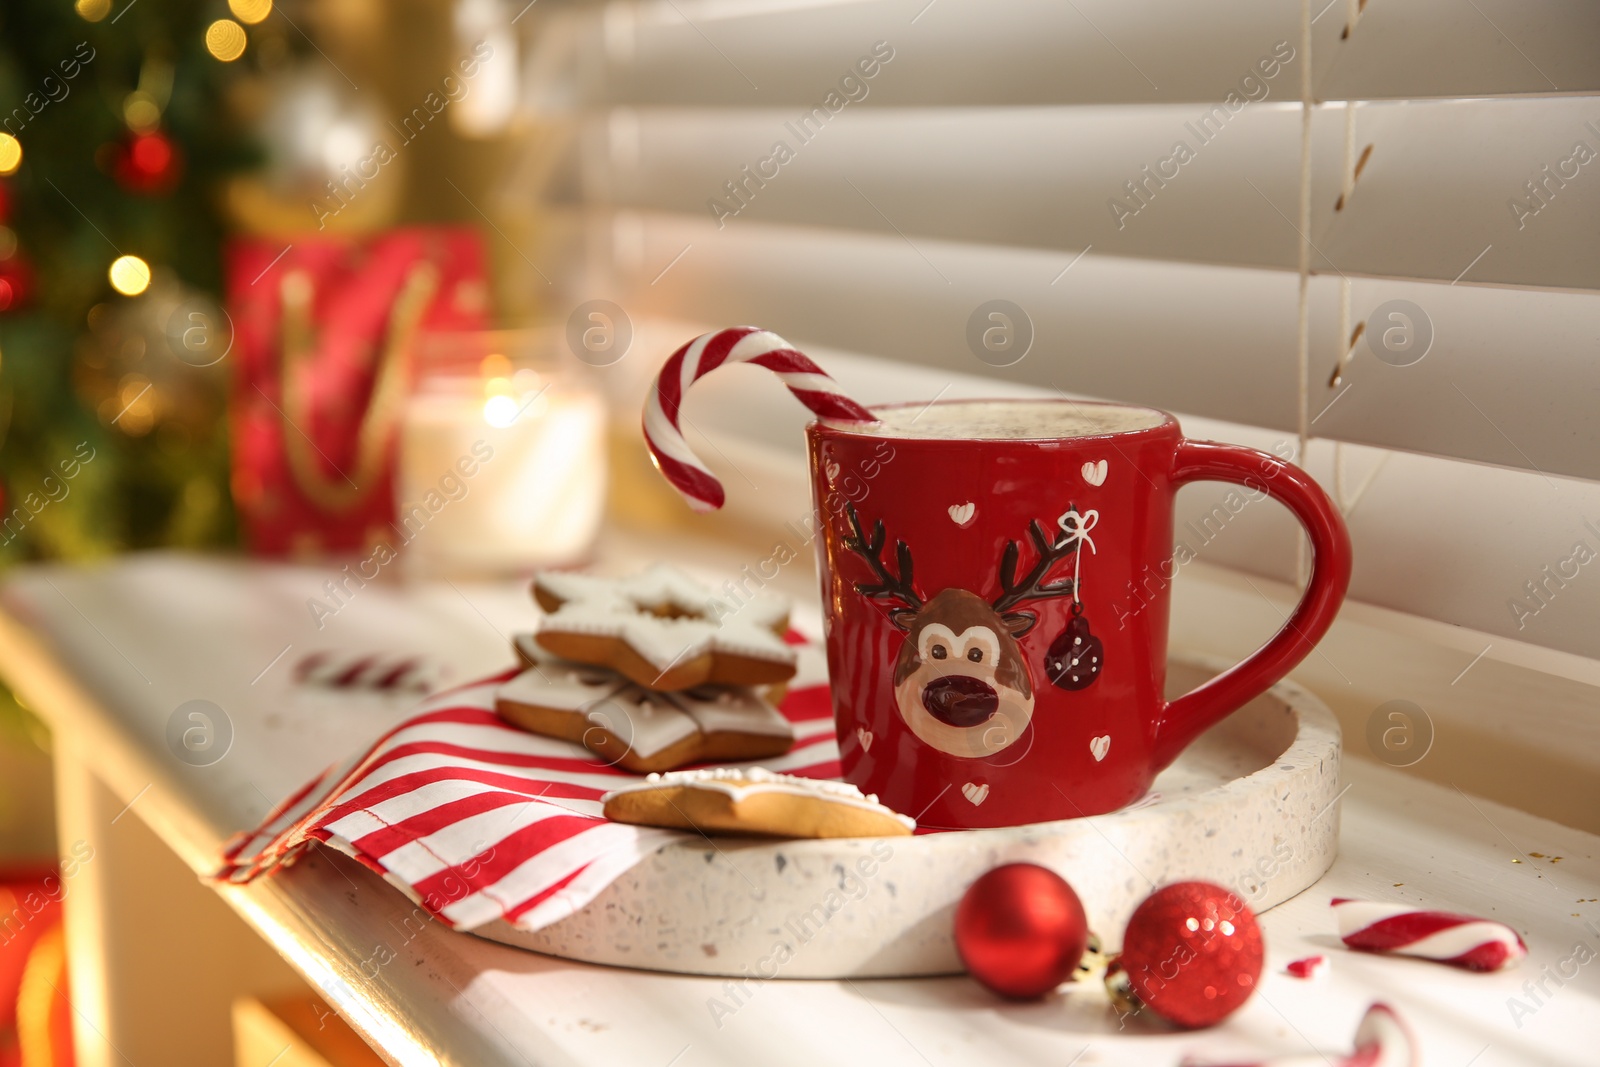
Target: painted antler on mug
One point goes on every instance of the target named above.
(740, 344)
(1029, 588)
(890, 587)
(1033, 586)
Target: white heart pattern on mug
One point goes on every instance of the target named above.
(961, 514)
(865, 737)
(1099, 746)
(831, 469)
(977, 794)
(1095, 473)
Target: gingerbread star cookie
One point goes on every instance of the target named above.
(752, 800)
(633, 727)
(663, 630)
(530, 653)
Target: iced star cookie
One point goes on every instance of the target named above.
(530, 654)
(735, 723)
(644, 731)
(553, 698)
(636, 728)
(732, 800)
(664, 630)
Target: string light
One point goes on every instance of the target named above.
(92, 10)
(10, 154)
(225, 40)
(130, 275)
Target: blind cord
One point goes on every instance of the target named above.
(1303, 330)
(1347, 187)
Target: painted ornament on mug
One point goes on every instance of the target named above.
(961, 682)
(1075, 657)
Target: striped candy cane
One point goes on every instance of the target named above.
(1459, 940)
(740, 344)
(1382, 1040)
(383, 672)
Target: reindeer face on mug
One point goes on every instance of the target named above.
(961, 682)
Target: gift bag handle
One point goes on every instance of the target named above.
(344, 492)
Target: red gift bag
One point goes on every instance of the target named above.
(322, 335)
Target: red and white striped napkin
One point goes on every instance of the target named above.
(477, 820)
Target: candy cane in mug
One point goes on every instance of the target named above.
(739, 344)
(1401, 930)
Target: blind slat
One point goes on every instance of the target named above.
(1215, 341)
(1027, 52)
(1172, 182)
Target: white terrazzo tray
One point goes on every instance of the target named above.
(1250, 805)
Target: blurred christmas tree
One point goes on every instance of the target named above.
(114, 135)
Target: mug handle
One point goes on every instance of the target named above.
(1187, 717)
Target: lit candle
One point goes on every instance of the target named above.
(500, 470)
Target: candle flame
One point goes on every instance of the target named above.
(500, 411)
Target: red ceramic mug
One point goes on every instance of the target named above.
(995, 586)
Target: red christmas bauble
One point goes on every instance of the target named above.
(1192, 953)
(148, 164)
(1020, 930)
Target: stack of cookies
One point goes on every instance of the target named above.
(652, 672)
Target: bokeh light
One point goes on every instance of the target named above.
(92, 10)
(130, 275)
(225, 39)
(141, 112)
(132, 408)
(151, 154)
(10, 154)
(250, 12)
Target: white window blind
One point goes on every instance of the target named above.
(1256, 214)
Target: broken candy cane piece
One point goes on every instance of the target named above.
(1401, 930)
(380, 671)
(1310, 967)
(1382, 1040)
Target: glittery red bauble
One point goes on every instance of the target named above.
(149, 164)
(1192, 953)
(1020, 930)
